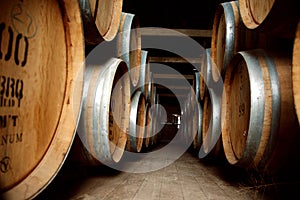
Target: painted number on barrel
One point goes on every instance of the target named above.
(5, 164)
(14, 43)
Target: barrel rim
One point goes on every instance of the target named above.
(144, 73)
(104, 106)
(138, 97)
(147, 134)
(129, 25)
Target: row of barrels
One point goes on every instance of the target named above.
(114, 118)
(53, 91)
(249, 90)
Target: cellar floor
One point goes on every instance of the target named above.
(186, 178)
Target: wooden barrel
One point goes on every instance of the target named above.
(144, 73)
(296, 71)
(137, 122)
(194, 130)
(224, 34)
(197, 117)
(198, 138)
(104, 119)
(148, 79)
(229, 35)
(41, 67)
(278, 17)
(154, 124)
(258, 94)
(159, 118)
(150, 115)
(101, 19)
(190, 118)
(197, 125)
(184, 121)
(206, 74)
(151, 90)
(188, 133)
(211, 126)
(129, 45)
(196, 85)
(146, 141)
(207, 110)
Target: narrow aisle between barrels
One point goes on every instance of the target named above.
(186, 178)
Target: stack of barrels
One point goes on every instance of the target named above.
(248, 90)
(119, 93)
(192, 115)
(57, 91)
